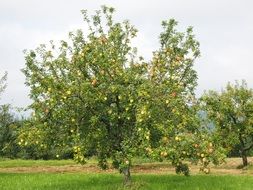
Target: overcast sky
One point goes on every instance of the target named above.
(224, 29)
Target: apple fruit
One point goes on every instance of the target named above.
(94, 82)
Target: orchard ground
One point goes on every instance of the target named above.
(65, 174)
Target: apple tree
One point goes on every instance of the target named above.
(175, 123)
(95, 95)
(231, 112)
(87, 93)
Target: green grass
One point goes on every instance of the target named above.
(78, 181)
(8, 163)
(11, 163)
(114, 182)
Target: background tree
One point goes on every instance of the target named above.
(3, 82)
(231, 112)
(8, 126)
(8, 132)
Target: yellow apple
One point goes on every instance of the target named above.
(165, 139)
(207, 170)
(164, 154)
(102, 72)
(94, 82)
(210, 150)
(149, 150)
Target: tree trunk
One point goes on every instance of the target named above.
(244, 158)
(243, 151)
(127, 176)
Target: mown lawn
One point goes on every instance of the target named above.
(79, 181)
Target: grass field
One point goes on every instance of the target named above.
(65, 174)
(114, 181)
(8, 163)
